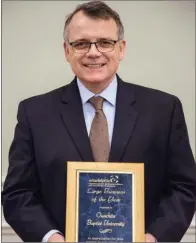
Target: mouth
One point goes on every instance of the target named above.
(94, 66)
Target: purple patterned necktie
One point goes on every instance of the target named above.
(99, 137)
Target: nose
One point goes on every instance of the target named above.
(93, 51)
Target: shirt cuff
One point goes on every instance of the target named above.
(50, 233)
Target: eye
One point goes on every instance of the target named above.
(105, 43)
(80, 45)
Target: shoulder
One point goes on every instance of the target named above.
(151, 101)
(46, 100)
(151, 95)
(45, 97)
(42, 105)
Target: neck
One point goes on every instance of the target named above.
(96, 88)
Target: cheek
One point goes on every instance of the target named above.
(76, 65)
(75, 61)
(115, 61)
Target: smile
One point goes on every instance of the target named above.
(94, 66)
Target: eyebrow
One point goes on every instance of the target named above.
(87, 40)
(105, 39)
(81, 40)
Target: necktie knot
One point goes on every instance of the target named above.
(97, 102)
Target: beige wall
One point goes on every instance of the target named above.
(160, 52)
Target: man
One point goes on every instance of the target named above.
(143, 125)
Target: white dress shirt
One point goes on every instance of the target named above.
(109, 108)
(109, 104)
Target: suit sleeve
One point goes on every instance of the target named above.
(178, 204)
(21, 197)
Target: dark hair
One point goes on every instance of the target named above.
(96, 10)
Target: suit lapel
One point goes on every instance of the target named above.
(125, 120)
(72, 115)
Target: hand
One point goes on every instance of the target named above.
(150, 238)
(56, 237)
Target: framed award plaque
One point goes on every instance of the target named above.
(105, 202)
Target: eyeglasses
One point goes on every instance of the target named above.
(102, 46)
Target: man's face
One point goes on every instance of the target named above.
(83, 28)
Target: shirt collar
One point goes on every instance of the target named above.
(108, 94)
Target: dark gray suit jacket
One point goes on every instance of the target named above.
(149, 127)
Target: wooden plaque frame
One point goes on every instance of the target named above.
(72, 202)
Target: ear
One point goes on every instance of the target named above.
(122, 49)
(66, 50)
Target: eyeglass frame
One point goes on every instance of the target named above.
(91, 43)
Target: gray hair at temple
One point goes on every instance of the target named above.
(95, 10)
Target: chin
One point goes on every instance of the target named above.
(96, 79)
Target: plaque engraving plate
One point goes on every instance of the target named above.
(105, 202)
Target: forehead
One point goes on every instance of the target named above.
(82, 26)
